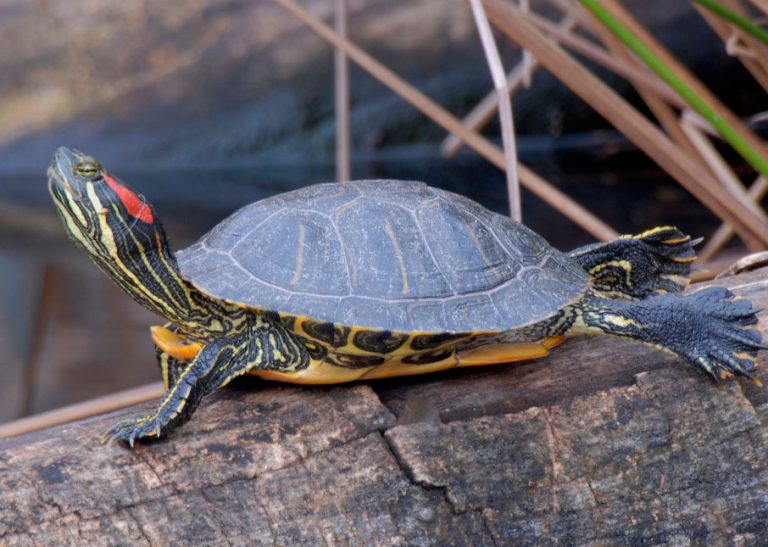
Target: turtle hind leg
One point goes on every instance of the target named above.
(171, 368)
(709, 328)
(657, 261)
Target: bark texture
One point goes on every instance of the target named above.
(600, 443)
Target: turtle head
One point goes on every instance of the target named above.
(119, 230)
(100, 213)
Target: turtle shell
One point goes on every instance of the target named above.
(385, 255)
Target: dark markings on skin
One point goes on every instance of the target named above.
(133, 258)
(561, 322)
(289, 322)
(316, 351)
(319, 331)
(431, 341)
(381, 341)
(90, 228)
(426, 358)
(281, 349)
(340, 336)
(333, 335)
(272, 316)
(256, 344)
(130, 256)
(354, 361)
(177, 298)
(170, 369)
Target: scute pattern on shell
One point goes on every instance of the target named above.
(390, 255)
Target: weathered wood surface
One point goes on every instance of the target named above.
(568, 449)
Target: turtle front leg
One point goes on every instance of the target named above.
(171, 368)
(655, 262)
(710, 328)
(174, 353)
(263, 345)
(183, 396)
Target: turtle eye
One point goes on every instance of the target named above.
(89, 170)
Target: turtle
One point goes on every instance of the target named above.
(339, 282)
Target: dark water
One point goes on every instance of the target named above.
(62, 320)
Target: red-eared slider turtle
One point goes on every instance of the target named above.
(371, 279)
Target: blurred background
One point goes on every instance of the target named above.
(206, 105)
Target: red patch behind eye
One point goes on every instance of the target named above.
(135, 206)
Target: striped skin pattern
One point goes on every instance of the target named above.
(657, 261)
(254, 297)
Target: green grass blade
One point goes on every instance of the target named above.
(697, 103)
(735, 19)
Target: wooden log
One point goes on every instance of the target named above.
(602, 442)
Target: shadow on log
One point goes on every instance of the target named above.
(603, 441)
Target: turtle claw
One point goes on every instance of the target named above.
(129, 431)
(724, 367)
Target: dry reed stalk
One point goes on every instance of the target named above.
(762, 5)
(695, 178)
(725, 31)
(569, 208)
(623, 16)
(94, 407)
(636, 75)
(527, 60)
(486, 108)
(341, 88)
(717, 164)
(663, 113)
(561, 31)
(757, 47)
(37, 337)
(724, 233)
(696, 123)
(695, 119)
(505, 108)
(757, 191)
(755, 62)
(651, 95)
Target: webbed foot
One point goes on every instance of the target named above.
(711, 328)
